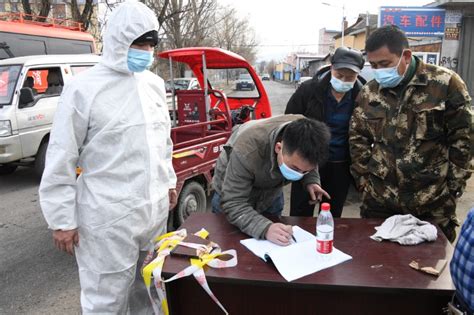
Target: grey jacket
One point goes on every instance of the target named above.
(247, 175)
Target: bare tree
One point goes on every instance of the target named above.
(27, 8)
(185, 23)
(188, 23)
(160, 7)
(261, 66)
(85, 16)
(43, 5)
(235, 34)
(270, 68)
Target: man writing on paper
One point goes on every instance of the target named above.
(259, 159)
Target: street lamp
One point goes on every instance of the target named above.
(343, 18)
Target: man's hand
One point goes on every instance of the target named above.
(66, 240)
(173, 195)
(316, 193)
(279, 234)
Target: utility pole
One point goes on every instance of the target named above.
(343, 25)
(367, 26)
(343, 18)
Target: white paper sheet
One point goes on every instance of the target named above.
(301, 259)
(262, 247)
(297, 259)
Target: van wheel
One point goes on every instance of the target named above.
(7, 169)
(40, 159)
(191, 199)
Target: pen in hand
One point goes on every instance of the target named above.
(293, 237)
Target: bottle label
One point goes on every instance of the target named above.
(324, 246)
(324, 238)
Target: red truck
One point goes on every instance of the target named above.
(203, 119)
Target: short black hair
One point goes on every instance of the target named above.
(389, 35)
(309, 137)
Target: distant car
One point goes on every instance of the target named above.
(265, 77)
(301, 80)
(183, 84)
(244, 81)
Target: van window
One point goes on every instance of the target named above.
(14, 45)
(47, 81)
(17, 45)
(32, 46)
(58, 46)
(78, 69)
(8, 78)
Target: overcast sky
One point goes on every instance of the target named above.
(283, 26)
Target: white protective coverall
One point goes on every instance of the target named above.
(115, 125)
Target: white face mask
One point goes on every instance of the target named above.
(341, 86)
(289, 173)
(389, 77)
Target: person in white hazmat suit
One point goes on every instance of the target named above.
(113, 122)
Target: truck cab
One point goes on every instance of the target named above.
(203, 119)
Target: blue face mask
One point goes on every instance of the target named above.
(389, 77)
(341, 86)
(290, 174)
(139, 60)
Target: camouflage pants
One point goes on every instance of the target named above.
(441, 212)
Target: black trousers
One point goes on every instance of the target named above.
(335, 179)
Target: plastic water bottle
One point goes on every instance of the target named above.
(324, 230)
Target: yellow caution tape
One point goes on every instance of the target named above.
(203, 233)
(164, 306)
(159, 238)
(204, 260)
(148, 271)
(166, 243)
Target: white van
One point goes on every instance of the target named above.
(29, 92)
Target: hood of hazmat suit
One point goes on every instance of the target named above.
(114, 124)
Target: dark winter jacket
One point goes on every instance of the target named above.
(309, 98)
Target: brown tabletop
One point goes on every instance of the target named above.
(377, 279)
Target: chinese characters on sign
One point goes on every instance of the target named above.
(451, 43)
(453, 17)
(414, 21)
(453, 25)
(452, 33)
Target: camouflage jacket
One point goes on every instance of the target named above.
(412, 147)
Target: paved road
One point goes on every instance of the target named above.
(37, 279)
(279, 94)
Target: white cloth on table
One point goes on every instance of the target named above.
(406, 230)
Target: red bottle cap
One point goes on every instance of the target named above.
(325, 207)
